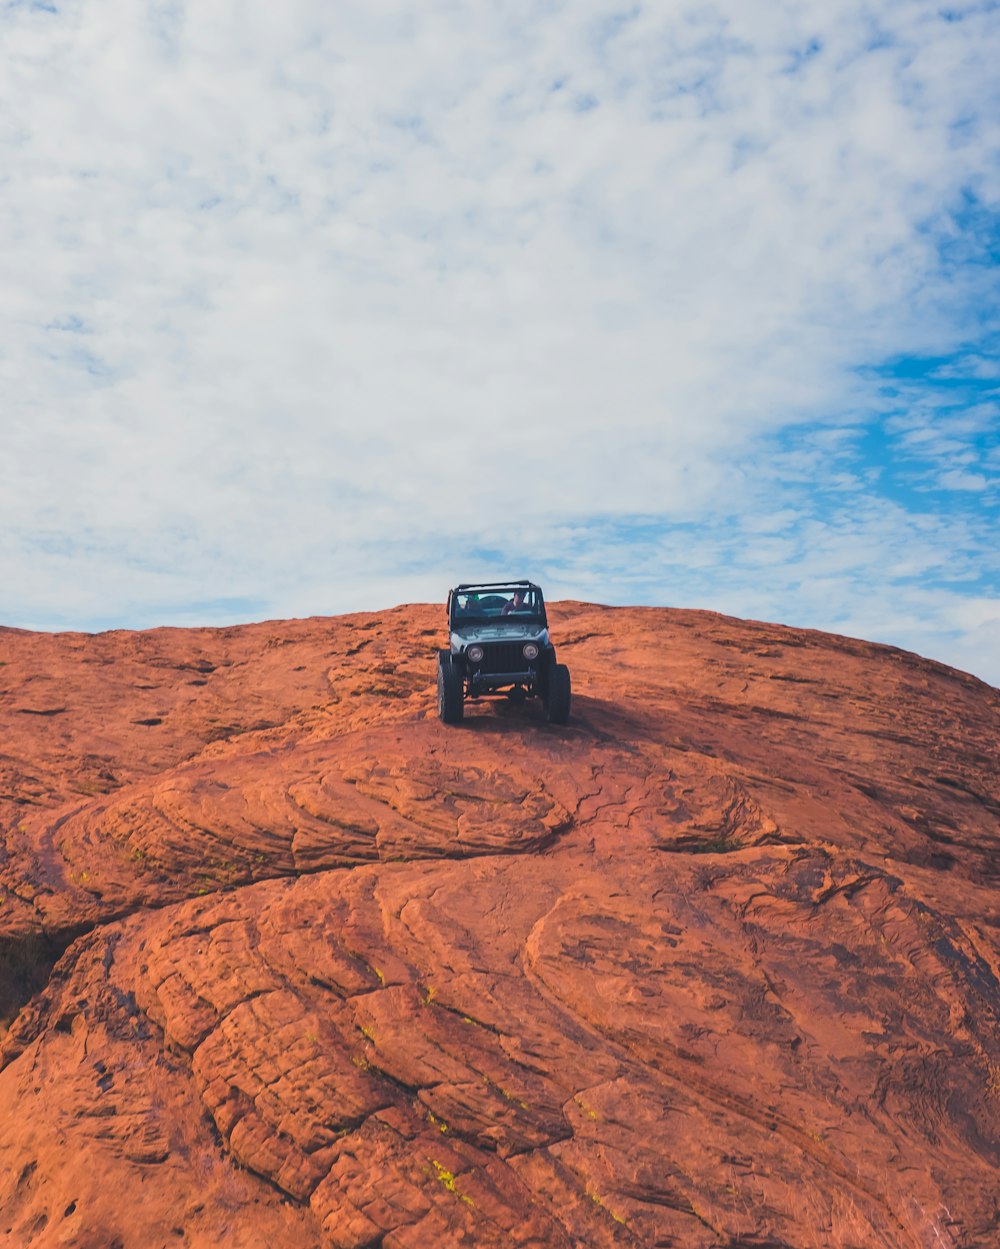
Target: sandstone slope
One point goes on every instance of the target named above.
(284, 961)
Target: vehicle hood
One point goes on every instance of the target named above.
(501, 633)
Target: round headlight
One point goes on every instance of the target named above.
(475, 653)
(530, 650)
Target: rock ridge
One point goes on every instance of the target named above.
(285, 961)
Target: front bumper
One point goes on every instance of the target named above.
(479, 680)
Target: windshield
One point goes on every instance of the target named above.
(514, 603)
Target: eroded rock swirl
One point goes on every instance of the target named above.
(286, 962)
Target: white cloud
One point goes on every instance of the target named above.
(955, 479)
(301, 299)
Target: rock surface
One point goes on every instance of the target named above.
(285, 962)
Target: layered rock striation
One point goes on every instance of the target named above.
(285, 961)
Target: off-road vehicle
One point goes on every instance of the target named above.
(499, 645)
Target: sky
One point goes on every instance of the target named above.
(313, 308)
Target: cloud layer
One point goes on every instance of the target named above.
(310, 309)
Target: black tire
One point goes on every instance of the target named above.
(558, 695)
(451, 690)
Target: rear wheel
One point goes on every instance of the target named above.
(558, 695)
(451, 690)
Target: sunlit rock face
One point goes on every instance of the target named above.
(284, 961)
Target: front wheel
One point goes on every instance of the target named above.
(451, 690)
(558, 695)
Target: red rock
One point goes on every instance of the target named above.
(715, 965)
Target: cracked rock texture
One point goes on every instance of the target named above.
(286, 962)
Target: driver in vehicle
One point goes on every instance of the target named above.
(515, 604)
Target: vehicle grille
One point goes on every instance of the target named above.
(503, 657)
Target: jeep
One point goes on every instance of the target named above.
(499, 646)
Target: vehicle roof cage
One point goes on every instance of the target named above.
(477, 586)
(493, 585)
